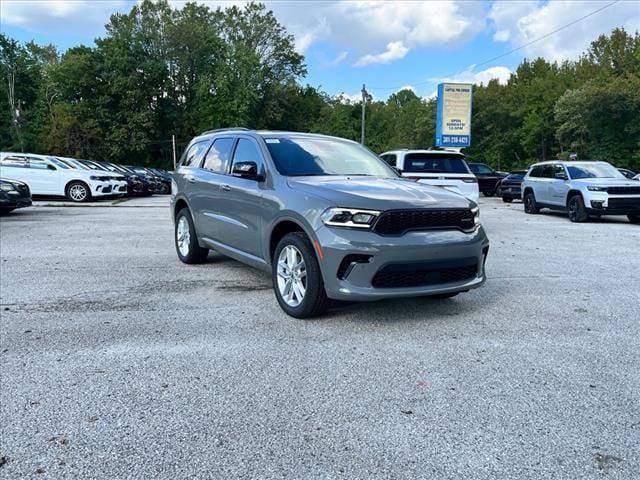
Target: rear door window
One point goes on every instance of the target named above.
(219, 155)
(193, 155)
(435, 163)
(390, 158)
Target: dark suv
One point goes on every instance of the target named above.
(488, 178)
(326, 217)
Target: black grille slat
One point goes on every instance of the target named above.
(409, 275)
(624, 203)
(397, 222)
(623, 190)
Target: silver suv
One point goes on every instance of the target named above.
(325, 216)
(582, 188)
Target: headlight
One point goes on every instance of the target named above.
(346, 217)
(476, 215)
(592, 188)
(7, 187)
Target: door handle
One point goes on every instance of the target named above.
(225, 187)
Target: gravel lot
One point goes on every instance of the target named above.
(118, 361)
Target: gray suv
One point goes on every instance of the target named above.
(326, 217)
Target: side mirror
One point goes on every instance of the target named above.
(248, 170)
(561, 176)
(50, 167)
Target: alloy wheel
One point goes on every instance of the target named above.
(78, 193)
(183, 236)
(573, 209)
(292, 276)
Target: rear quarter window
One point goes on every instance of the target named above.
(434, 163)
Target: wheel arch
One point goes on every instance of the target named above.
(282, 227)
(572, 193)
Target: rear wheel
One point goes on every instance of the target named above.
(530, 205)
(186, 240)
(78, 192)
(576, 209)
(634, 218)
(296, 276)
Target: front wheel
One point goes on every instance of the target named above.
(78, 192)
(296, 277)
(634, 218)
(576, 209)
(530, 205)
(186, 240)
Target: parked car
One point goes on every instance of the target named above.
(442, 168)
(13, 194)
(137, 185)
(326, 217)
(627, 173)
(47, 175)
(157, 185)
(509, 187)
(582, 188)
(118, 182)
(488, 178)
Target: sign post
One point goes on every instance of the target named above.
(453, 115)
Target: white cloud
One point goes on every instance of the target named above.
(61, 16)
(521, 22)
(482, 77)
(341, 57)
(407, 87)
(394, 51)
(363, 27)
(349, 98)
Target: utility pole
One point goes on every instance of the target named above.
(366, 97)
(173, 142)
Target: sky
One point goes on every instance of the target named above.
(386, 45)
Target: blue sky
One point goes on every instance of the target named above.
(387, 45)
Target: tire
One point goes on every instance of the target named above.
(507, 199)
(186, 239)
(444, 296)
(530, 205)
(295, 254)
(634, 218)
(78, 192)
(576, 209)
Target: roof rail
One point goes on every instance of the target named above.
(223, 130)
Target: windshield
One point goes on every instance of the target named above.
(435, 163)
(480, 168)
(593, 170)
(59, 163)
(299, 156)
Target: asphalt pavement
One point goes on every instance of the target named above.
(117, 361)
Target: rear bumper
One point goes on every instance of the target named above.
(429, 250)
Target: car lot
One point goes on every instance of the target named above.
(118, 361)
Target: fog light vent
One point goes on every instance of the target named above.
(349, 262)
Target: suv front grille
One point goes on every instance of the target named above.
(397, 222)
(623, 190)
(423, 274)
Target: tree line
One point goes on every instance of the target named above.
(159, 72)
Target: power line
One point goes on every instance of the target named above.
(510, 51)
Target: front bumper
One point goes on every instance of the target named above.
(420, 248)
(100, 189)
(603, 204)
(14, 200)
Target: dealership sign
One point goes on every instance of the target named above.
(453, 117)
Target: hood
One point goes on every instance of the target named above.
(374, 193)
(607, 182)
(15, 183)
